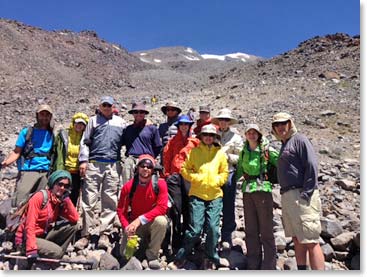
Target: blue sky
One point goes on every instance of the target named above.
(263, 28)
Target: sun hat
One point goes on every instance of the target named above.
(183, 119)
(204, 108)
(253, 126)
(224, 113)
(138, 107)
(170, 104)
(281, 117)
(44, 107)
(209, 129)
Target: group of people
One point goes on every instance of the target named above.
(142, 178)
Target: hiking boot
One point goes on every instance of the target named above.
(81, 243)
(104, 242)
(223, 262)
(207, 265)
(154, 264)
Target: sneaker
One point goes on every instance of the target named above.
(82, 243)
(104, 242)
(154, 264)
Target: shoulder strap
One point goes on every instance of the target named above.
(133, 188)
(29, 134)
(155, 178)
(45, 198)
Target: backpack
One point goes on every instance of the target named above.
(28, 149)
(13, 220)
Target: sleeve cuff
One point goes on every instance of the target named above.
(143, 220)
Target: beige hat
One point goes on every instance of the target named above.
(209, 129)
(281, 117)
(44, 107)
(253, 126)
(138, 107)
(170, 104)
(224, 113)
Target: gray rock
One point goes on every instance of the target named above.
(330, 228)
(109, 262)
(133, 264)
(342, 241)
(328, 251)
(347, 184)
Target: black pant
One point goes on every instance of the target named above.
(179, 193)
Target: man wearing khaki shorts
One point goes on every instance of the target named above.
(301, 204)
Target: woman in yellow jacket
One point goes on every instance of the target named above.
(67, 151)
(206, 168)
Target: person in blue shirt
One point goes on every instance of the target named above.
(33, 155)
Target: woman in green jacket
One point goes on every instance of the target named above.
(67, 151)
(257, 198)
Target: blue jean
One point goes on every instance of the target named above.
(229, 196)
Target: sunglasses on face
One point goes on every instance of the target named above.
(276, 124)
(224, 119)
(106, 105)
(138, 112)
(148, 166)
(208, 135)
(184, 123)
(61, 184)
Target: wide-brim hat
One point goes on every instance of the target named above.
(44, 107)
(253, 126)
(138, 107)
(225, 114)
(281, 117)
(184, 119)
(170, 104)
(208, 129)
(204, 108)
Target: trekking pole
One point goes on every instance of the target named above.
(92, 265)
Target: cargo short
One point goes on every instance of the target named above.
(301, 218)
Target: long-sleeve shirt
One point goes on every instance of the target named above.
(232, 144)
(144, 202)
(297, 165)
(37, 221)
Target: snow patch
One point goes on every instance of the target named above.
(189, 50)
(191, 58)
(143, 54)
(216, 57)
(157, 60)
(239, 56)
(144, 60)
(116, 47)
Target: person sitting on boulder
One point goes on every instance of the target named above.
(36, 235)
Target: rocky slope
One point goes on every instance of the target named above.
(318, 83)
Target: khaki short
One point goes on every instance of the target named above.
(301, 219)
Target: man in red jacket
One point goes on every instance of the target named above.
(147, 214)
(35, 234)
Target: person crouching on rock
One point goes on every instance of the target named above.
(148, 207)
(36, 234)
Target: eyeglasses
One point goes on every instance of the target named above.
(138, 112)
(276, 124)
(106, 105)
(146, 166)
(208, 135)
(224, 119)
(61, 184)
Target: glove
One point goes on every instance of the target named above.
(32, 258)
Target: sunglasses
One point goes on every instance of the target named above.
(224, 119)
(138, 112)
(148, 166)
(276, 124)
(208, 135)
(184, 123)
(106, 105)
(61, 184)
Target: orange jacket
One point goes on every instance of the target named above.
(176, 151)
